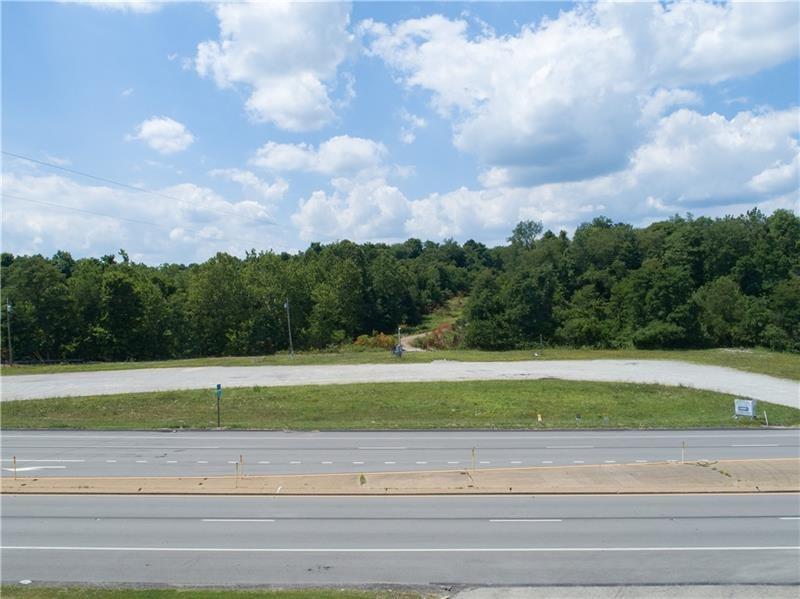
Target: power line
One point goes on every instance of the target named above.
(119, 183)
(121, 218)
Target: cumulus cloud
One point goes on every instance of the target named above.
(411, 122)
(163, 134)
(285, 53)
(572, 97)
(691, 162)
(195, 225)
(359, 211)
(134, 6)
(271, 192)
(342, 155)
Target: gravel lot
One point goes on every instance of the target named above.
(713, 378)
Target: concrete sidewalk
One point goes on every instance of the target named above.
(743, 476)
(664, 372)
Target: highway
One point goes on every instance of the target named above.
(665, 372)
(74, 453)
(411, 540)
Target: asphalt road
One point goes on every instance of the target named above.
(343, 541)
(73, 453)
(714, 378)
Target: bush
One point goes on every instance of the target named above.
(659, 334)
(376, 341)
(444, 336)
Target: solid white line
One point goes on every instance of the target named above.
(390, 462)
(141, 461)
(232, 462)
(58, 461)
(172, 461)
(393, 549)
(185, 436)
(789, 518)
(237, 520)
(263, 462)
(526, 520)
(641, 461)
(452, 462)
(422, 463)
(611, 461)
(516, 461)
(578, 462)
(326, 462)
(31, 468)
(294, 462)
(358, 463)
(755, 445)
(547, 461)
(485, 462)
(111, 461)
(202, 462)
(378, 447)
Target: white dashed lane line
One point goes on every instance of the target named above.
(237, 520)
(526, 520)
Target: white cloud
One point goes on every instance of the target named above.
(163, 134)
(341, 156)
(134, 6)
(126, 92)
(271, 192)
(572, 97)
(412, 123)
(371, 210)
(192, 227)
(691, 163)
(286, 53)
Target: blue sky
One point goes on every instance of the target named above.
(271, 125)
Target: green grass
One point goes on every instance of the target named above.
(786, 365)
(451, 405)
(28, 592)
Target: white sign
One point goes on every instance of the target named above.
(745, 407)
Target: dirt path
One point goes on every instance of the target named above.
(408, 340)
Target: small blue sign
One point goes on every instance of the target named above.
(219, 391)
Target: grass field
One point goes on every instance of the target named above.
(20, 592)
(786, 365)
(447, 405)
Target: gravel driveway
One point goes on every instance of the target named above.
(714, 378)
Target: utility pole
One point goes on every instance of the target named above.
(8, 328)
(289, 326)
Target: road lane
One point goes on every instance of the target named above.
(664, 372)
(75, 453)
(487, 540)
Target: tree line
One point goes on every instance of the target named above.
(682, 282)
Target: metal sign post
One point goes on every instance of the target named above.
(219, 396)
(9, 310)
(289, 326)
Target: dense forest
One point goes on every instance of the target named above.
(683, 282)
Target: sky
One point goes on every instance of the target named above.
(178, 130)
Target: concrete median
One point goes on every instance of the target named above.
(729, 476)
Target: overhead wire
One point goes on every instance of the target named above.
(122, 218)
(121, 184)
